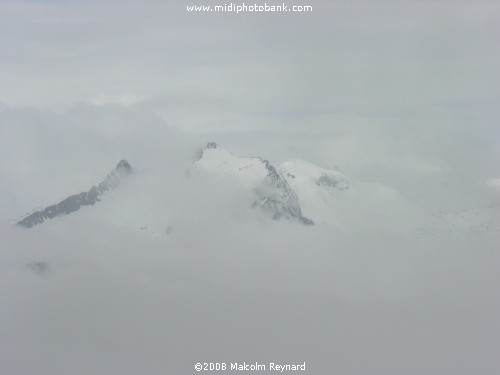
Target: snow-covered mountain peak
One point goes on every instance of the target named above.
(265, 178)
(216, 159)
(306, 192)
(296, 190)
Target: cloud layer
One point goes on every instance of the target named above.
(410, 63)
(403, 93)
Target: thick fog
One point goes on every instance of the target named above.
(89, 293)
(174, 267)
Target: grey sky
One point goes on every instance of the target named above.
(408, 85)
(432, 62)
(406, 93)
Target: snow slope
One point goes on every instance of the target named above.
(325, 196)
(159, 201)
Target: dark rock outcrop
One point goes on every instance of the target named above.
(331, 181)
(75, 202)
(278, 198)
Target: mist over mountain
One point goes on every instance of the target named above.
(182, 187)
(192, 242)
(294, 191)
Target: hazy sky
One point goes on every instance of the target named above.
(412, 87)
(385, 63)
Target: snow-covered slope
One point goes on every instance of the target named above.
(328, 196)
(484, 220)
(157, 201)
(299, 190)
(273, 194)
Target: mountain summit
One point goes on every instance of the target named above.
(268, 180)
(75, 202)
(296, 191)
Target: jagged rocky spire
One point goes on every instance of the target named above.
(75, 202)
(278, 198)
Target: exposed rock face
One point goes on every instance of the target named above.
(74, 202)
(273, 192)
(331, 181)
(211, 145)
(277, 197)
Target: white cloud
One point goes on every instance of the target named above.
(122, 99)
(365, 149)
(494, 184)
(409, 60)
